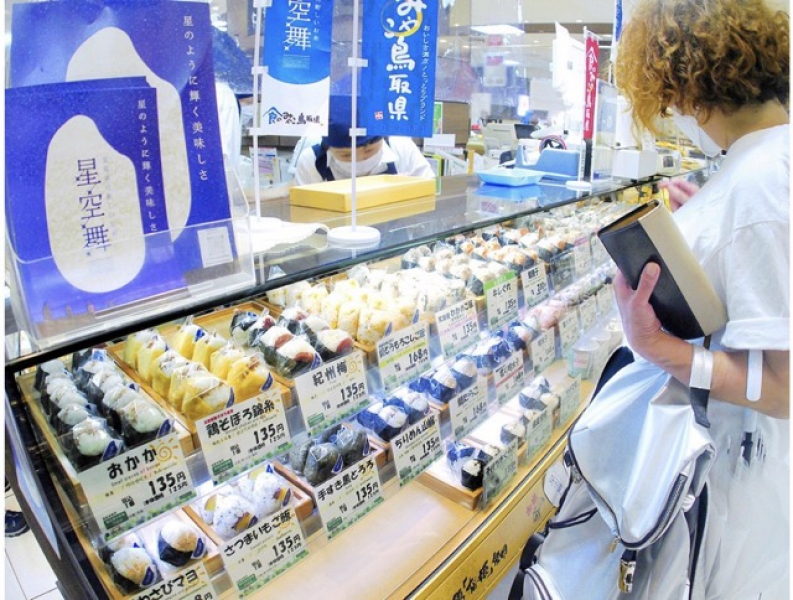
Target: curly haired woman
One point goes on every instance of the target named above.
(721, 68)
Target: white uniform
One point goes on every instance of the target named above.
(399, 151)
(738, 226)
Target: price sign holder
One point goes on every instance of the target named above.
(468, 409)
(264, 551)
(187, 584)
(563, 270)
(345, 498)
(605, 299)
(501, 296)
(543, 351)
(568, 330)
(417, 448)
(332, 392)
(583, 259)
(538, 432)
(244, 435)
(589, 313)
(137, 486)
(499, 472)
(403, 356)
(535, 285)
(458, 327)
(570, 398)
(509, 377)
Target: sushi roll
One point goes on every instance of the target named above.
(291, 318)
(514, 430)
(333, 343)
(147, 354)
(133, 343)
(311, 326)
(72, 414)
(113, 401)
(220, 362)
(464, 371)
(241, 323)
(272, 340)
(265, 490)
(248, 377)
(178, 543)
(185, 338)
(232, 515)
(91, 442)
(133, 569)
(162, 370)
(295, 357)
(353, 445)
(206, 347)
(390, 422)
(258, 329)
(204, 395)
(298, 455)
(142, 421)
(443, 385)
(323, 462)
(45, 369)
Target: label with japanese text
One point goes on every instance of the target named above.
(417, 448)
(138, 485)
(499, 471)
(244, 435)
(501, 296)
(538, 432)
(348, 496)
(458, 327)
(570, 399)
(333, 391)
(468, 409)
(599, 253)
(605, 299)
(535, 285)
(403, 356)
(188, 584)
(264, 551)
(582, 255)
(543, 351)
(509, 377)
(589, 313)
(568, 330)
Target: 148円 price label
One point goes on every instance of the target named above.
(509, 377)
(502, 300)
(468, 409)
(458, 327)
(244, 435)
(403, 356)
(417, 448)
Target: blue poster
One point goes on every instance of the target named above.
(295, 88)
(85, 206)
(170, 44)
(399, 41)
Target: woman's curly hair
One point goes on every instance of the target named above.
(701, 55)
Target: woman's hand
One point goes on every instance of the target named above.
(679, 190)
(639, 320)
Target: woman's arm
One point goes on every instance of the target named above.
(673, 355)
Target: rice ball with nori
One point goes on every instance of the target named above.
(513, 431)
(141, 421)
(241, 323)
(272, 340)
(45, 369)
(353, 445)
(92, 441)
(464, 371)
(443, 385)
(298, 455)
(133, 569)
(323, 462)
(178, 543)
(391, 422)
(333, 343)
(71, 415)
(291, 318)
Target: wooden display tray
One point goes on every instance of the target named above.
(439, 478)
(62, 462)
(376, 190)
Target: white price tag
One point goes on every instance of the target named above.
(570, 399)
(502, 300)
(333, 391)
(188, 584)
(244, 435)
(417, 448)
(599, 253)
(509, 377)
(468, 409)
(403, 356)
(583, 259)
(538, 432)
(499, 472)
(535, 285)
(543, 351)
(605, 299)
(348, 496)
(264, 551)
(568, 330)
(458, 327)
(138, 485)
(589, 313)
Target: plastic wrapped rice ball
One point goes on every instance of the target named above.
(529, 396)
(443, 385)
(272, 340)
(298, 455)
(291, 318)
(372, 325)
(205, 394)
(349, 314)
(206, 347)
(241, 323)
(133, 343)
(220, 362)
(330, 309)
(232, 515)
(333, 343)
(323, 462)
(45, 369)
(258, 329)
(142, 421)
(92, 442)
(178, 543)
(353, 445)
(114, 400)
(311, 326)
(295, 357)
(133, 569)
(72, 414)
(248, 376)
(265, 490)
(464, 371)
(100, 383)
(185, 338)
(147, 354)
(514, 430)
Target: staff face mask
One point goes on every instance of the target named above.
(691, 129)
(365, 167)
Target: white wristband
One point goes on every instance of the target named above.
(701, 369)
(754, 375)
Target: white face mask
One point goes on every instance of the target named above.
(343, 169)
(691, 129)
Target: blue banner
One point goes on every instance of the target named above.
(399, 41)
(296, 52)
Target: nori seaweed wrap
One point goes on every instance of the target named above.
(241, 323)
(353, 445)
(178, 543)
(298, 454)
(333, 343)
(323, 462)
(271, 341)
(464, 371)
(291, 319)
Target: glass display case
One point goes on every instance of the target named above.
(399, 456)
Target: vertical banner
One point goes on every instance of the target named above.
(296, 86)
(399, 41)
(590, 86)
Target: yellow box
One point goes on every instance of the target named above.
(372, 191)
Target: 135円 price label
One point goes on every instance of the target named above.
(502, 300)
(403, 356)
(417, 448)
(458, 327)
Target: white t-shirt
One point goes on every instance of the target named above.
(738, 227)
(401, 151)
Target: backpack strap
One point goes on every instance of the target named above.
(526, 560)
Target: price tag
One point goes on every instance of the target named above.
(417, 448)
(509, 377)
(403, 356)
(348, 496)
(244, 435)
(568, 330)
(589, 313)
(264, 551)
(502, 300)
(543, 351)
(538, 432)
(583, 259)
(188, 584)
(468, 409)
(599, 254)
(136, 486)
(605, 299)
(535, 285)
(458, 327)
(563, 270)
(333, 391)
(499, 472)
(570, 398)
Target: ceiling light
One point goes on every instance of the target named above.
(497, 29)
(579, 21)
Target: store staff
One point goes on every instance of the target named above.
(331, 158)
